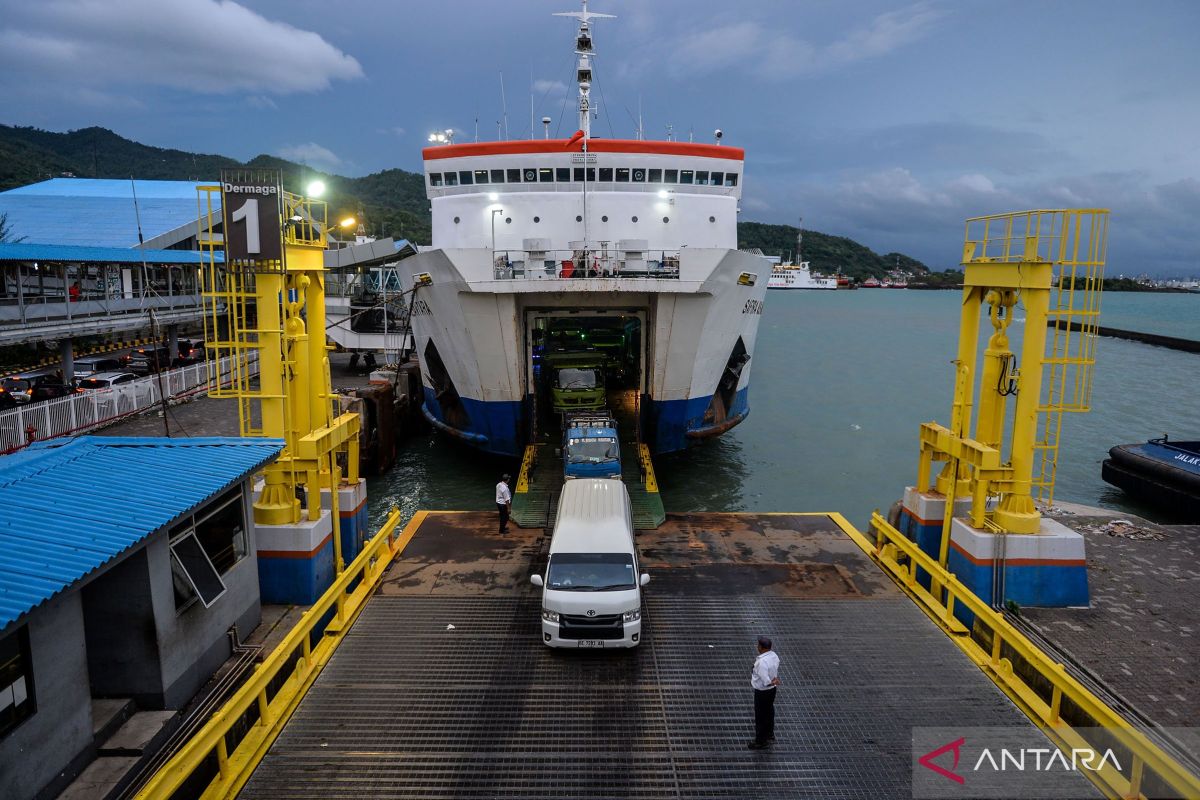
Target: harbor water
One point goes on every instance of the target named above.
(840, 383)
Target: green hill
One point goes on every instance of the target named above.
(825, 253)
(393, 201)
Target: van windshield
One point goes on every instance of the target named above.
(591, 572)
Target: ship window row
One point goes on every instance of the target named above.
(699, 177)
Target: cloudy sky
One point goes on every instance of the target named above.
(889, 122)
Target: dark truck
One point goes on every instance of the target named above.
(591, 448)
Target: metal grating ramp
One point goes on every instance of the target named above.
(408, 708)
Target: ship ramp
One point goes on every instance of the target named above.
(443, 689)
(539, 483)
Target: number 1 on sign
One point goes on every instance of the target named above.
(249, 213)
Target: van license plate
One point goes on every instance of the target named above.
(591, 643)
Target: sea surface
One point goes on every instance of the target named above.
(840, 382)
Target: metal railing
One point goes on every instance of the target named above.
(1052, 698)
(86, 411)
(217, 761)
(601, 263)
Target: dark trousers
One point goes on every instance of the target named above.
(764, 714)
(503, 509)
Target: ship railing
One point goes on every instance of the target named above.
(572, 264)
(87, 411)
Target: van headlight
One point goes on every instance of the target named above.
(549, 616)
(632, 616)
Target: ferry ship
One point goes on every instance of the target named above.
(547, 244)
(798, 275)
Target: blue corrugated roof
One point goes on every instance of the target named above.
(69, 506)
(71, 253)
(98, 212)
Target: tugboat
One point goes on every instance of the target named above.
(1161, 472)
(541, 245)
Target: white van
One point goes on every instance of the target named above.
(591, 593)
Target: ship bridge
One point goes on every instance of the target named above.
(576, 194)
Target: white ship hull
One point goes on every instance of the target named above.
(474, 341)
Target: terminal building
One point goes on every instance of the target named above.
(110, 605)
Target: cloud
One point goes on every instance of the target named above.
(312, 154)
(207, 46)
(1151, 226)
(544, 86)
(780, 55)
(262, 102)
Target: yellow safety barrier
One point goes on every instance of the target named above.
(647, 468)
(298, 661)
(526, 468)
(995, 645)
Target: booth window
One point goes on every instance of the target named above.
(464, 177)
(16, 681)
(656, 176)
(622, 174)
(435, 179)
(731, 179)
(497, 176)
(205, 546)
(606, 174)
(451, 179)
(481, 176)
(514, 175)
(562, 174)
(546, 175)
(671, 176)
(685, 176)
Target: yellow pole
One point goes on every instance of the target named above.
(964, 386)
(990, 428)
(277, 505)
(1017, 513)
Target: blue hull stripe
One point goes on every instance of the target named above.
(496, 427)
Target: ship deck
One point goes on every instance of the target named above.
(443, 689)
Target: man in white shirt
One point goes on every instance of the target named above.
(503, 503)
(764, 677)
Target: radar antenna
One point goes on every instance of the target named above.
(583, 71)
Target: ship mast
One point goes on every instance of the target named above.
(583, 70)
(583, 77)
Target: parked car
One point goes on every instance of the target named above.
(18, 388)
(94, 364)
(49, 390)
(189, 353)
(6, 400)
(150, 359)
(105, 380)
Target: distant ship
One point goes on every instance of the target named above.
(584, 249)
(798, 275)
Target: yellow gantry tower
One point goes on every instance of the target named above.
(264, 302)
(1047, 265)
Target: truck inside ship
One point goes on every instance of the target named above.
(581, 360)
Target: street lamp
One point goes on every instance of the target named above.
(346, 223)
(442, 137)
(315, 189)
